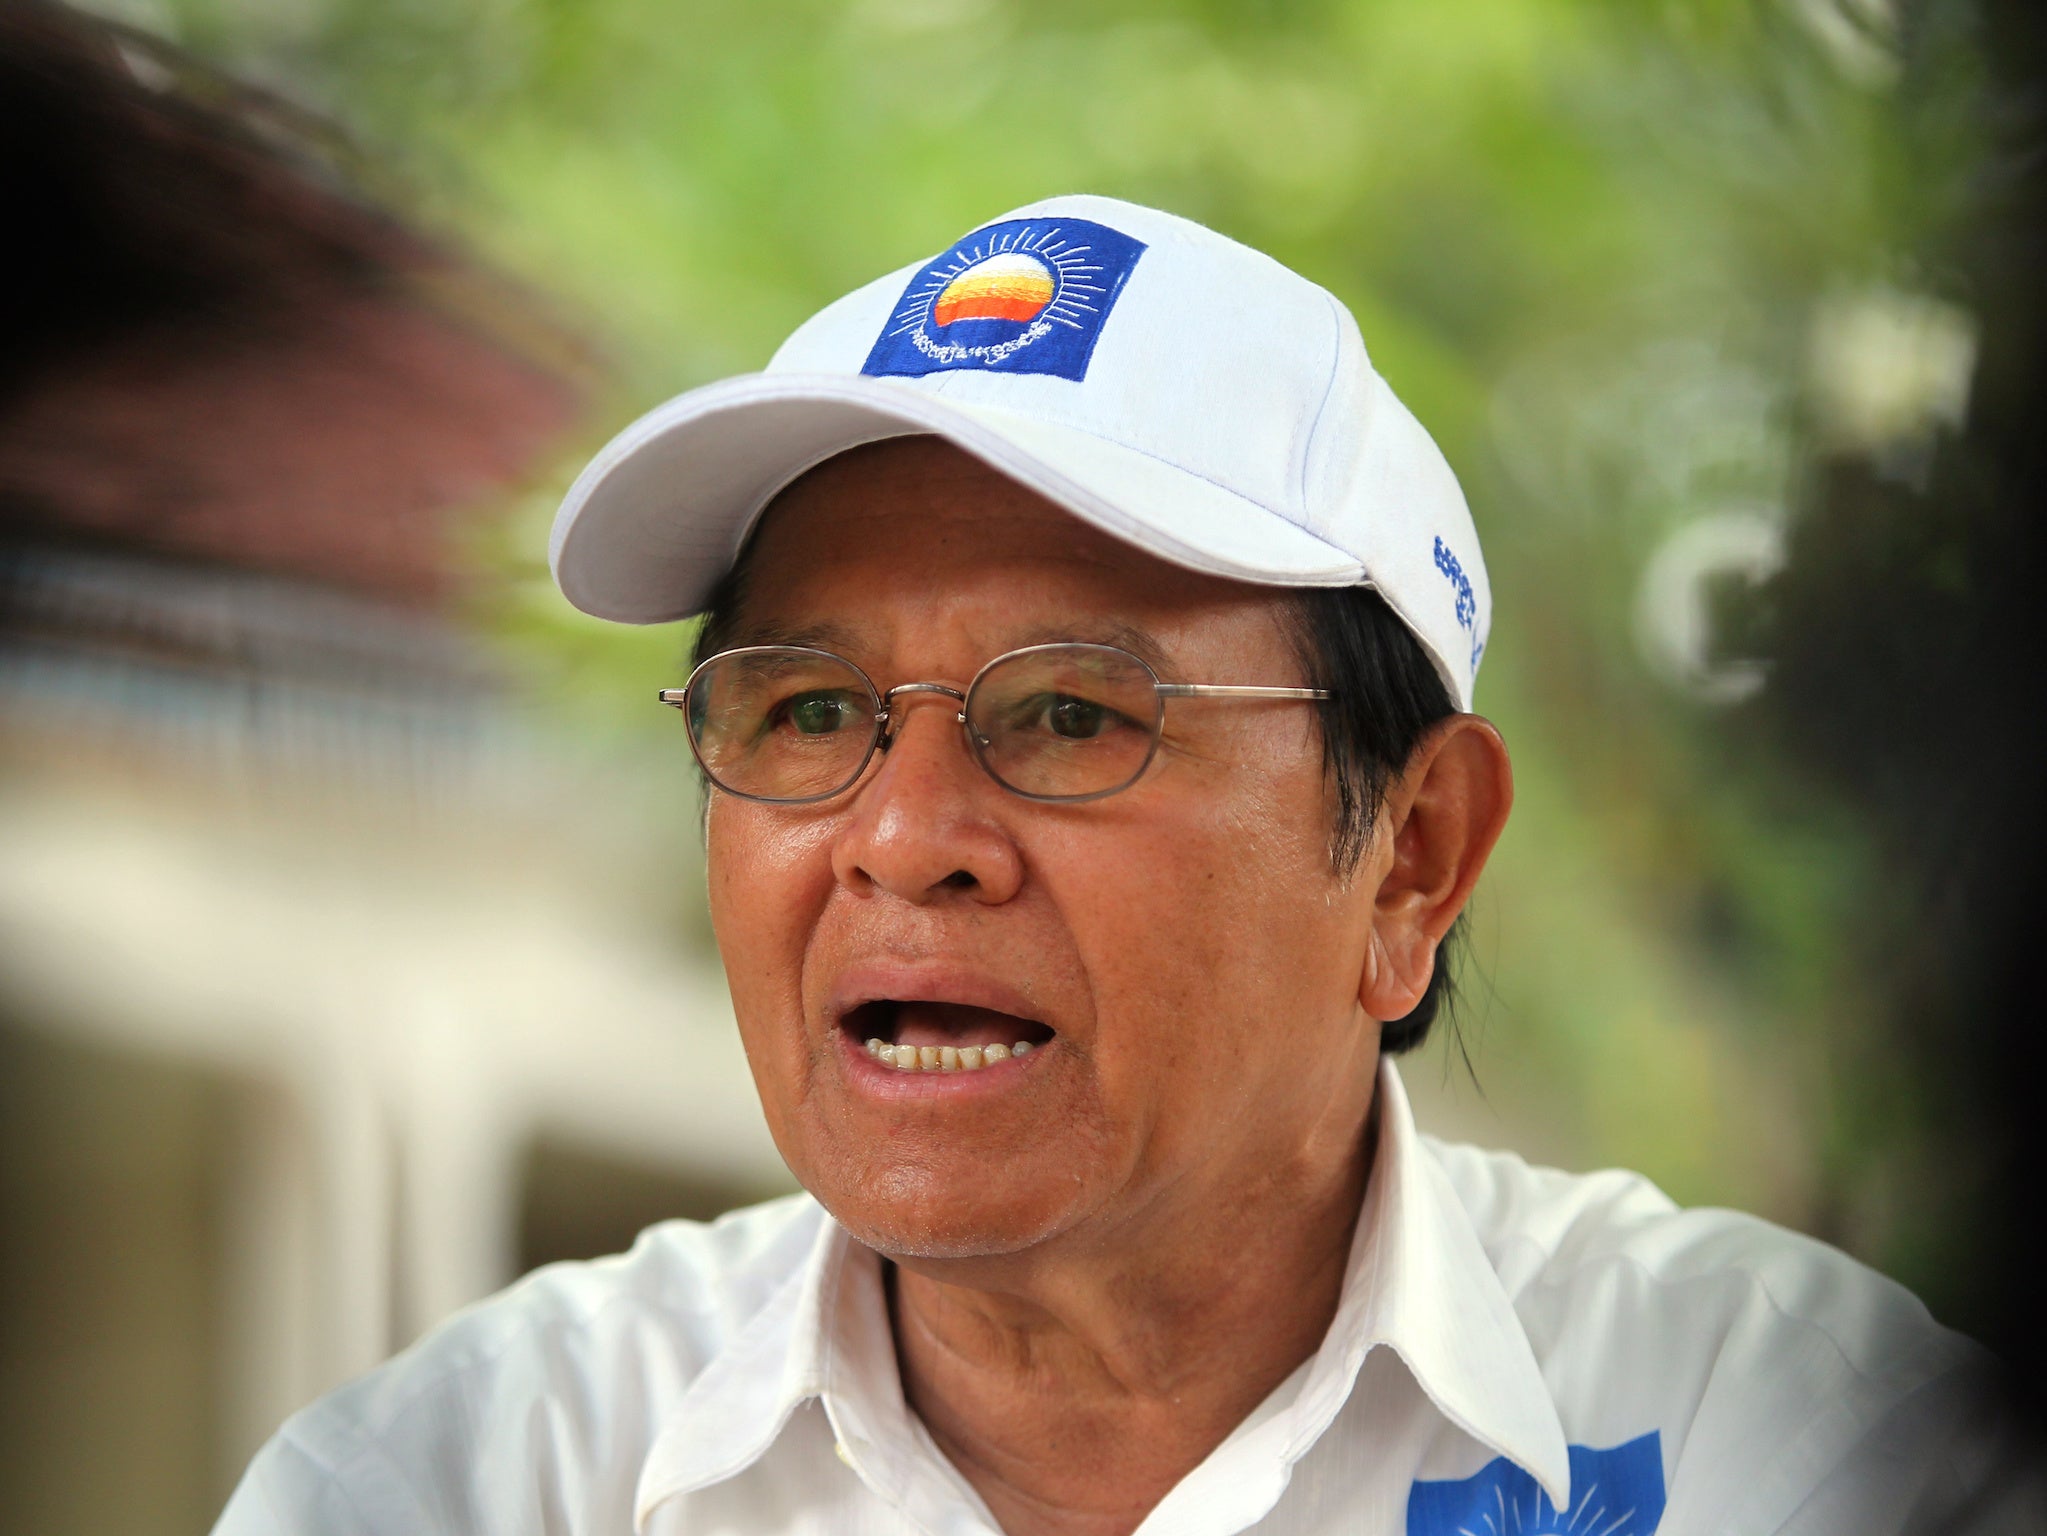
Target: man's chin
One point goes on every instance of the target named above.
(913, 1218)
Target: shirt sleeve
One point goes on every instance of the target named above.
(1946, 1460)
(286, 1490)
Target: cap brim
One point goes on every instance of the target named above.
(660, 514)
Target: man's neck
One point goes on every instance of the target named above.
(1073, 1391)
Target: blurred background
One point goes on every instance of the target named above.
(353, 956)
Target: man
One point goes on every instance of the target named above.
(1083, 694)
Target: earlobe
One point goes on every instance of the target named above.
(1437, 828)
(1394, 981)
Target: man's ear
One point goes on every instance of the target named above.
(1439, 823)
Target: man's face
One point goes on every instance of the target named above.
(1182, 954)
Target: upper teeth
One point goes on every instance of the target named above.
(944, 1058)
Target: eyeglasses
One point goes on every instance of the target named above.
(789, 725)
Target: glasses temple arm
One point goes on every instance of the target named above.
(1236, 691)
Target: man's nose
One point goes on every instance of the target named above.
(926, 822)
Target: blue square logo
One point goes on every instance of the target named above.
(1024, 296)
(1614, 1492)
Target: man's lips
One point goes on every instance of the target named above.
(916, 1021)
(937, 1014)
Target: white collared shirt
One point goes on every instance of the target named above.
(1515, 1349)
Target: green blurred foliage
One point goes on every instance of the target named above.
(1584, 239)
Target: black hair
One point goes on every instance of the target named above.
(1386, 694)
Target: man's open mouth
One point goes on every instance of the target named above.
(916, 1036)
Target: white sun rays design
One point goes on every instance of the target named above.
(1073, 276)
(1531, 1514)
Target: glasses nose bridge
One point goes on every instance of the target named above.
(887, 722)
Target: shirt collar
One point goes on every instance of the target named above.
(1418, 1282)
(740, 1401)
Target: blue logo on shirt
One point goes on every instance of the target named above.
(1025, 296)
(1617, 1492)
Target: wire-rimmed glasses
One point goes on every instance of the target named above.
(789, 724)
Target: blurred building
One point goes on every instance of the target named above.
(326, 1002)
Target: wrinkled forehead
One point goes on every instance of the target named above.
(924, 500)
(915, 536)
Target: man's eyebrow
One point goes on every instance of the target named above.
(817, 637)
(847, 641)
(1137, 640)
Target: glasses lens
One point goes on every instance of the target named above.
(781, 723)
(1065, 722)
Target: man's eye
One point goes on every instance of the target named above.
(817, 714)
(1078, 719)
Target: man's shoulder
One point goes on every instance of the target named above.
(606, 1344)
(1782, 1375)
(1613, 1241)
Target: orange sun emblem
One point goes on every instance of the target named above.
(1012, 286)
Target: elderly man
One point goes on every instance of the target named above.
(1082, 692)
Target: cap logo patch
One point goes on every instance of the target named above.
(1025, 296)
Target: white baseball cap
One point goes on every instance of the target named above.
(1172, 387)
